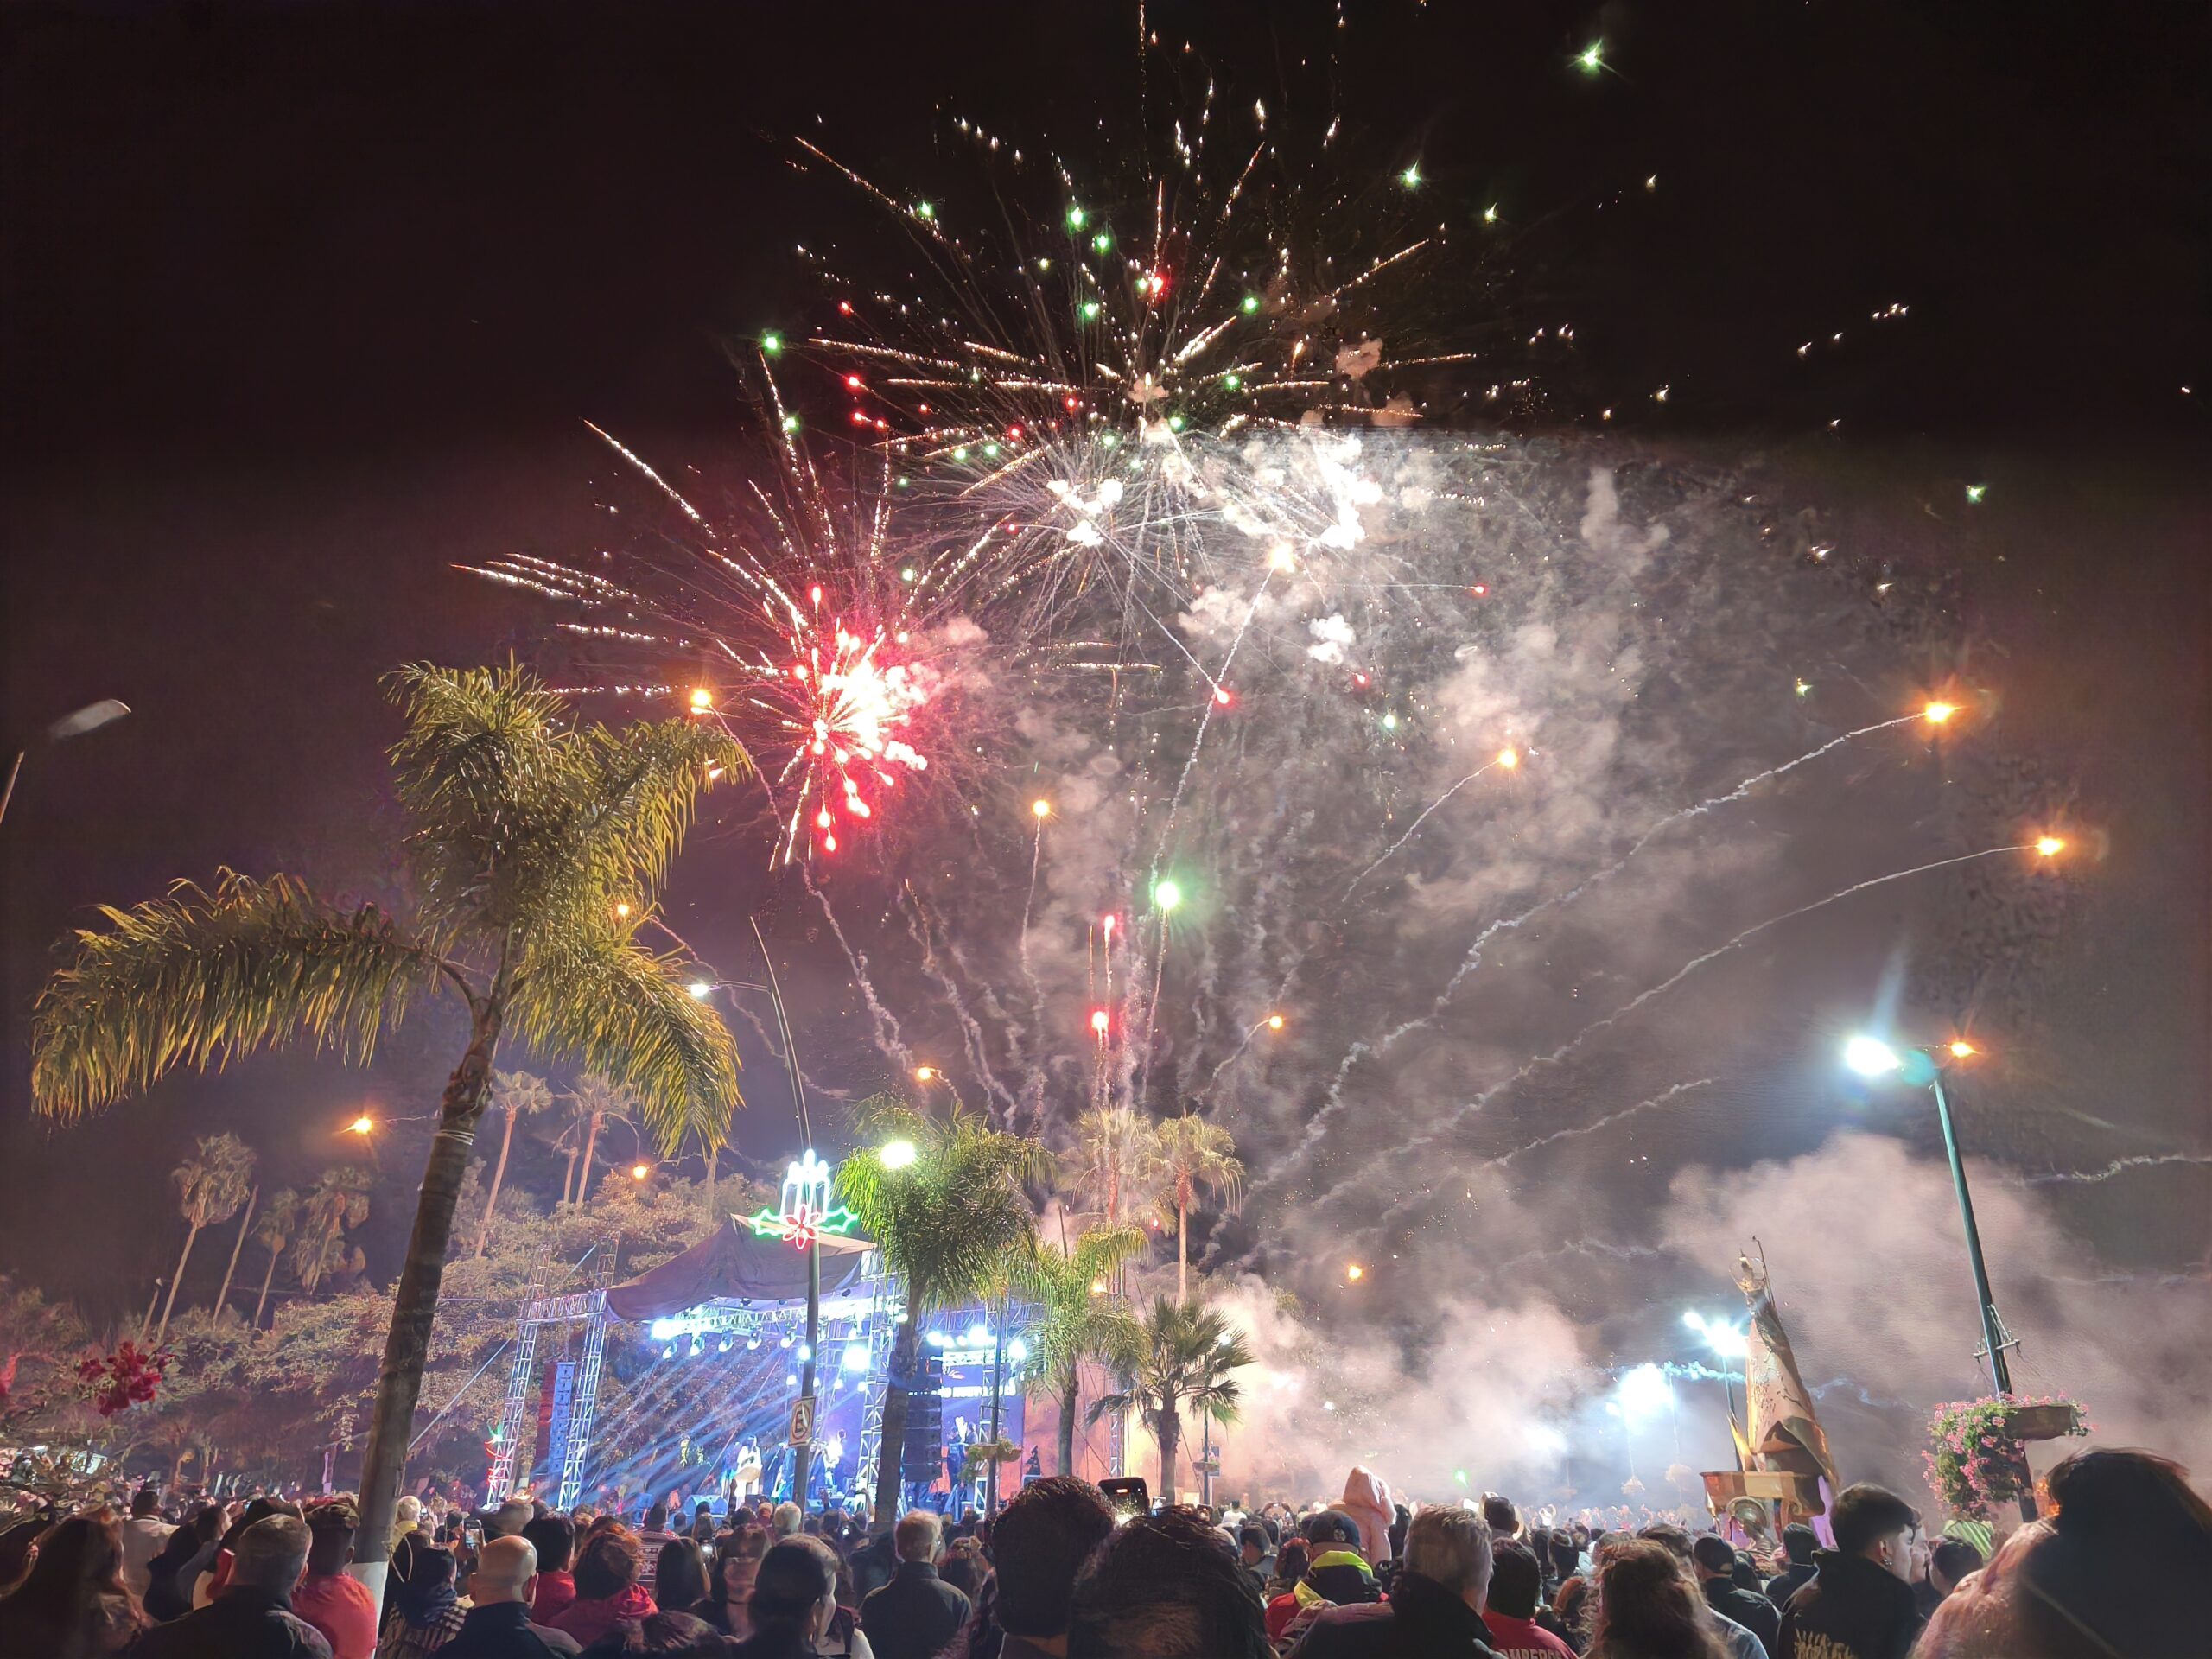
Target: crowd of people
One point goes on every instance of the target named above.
(2111, 1572)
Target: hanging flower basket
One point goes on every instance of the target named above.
(983, 1452)
(1977, 1458)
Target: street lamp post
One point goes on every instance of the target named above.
(1873, 1058)
(90, 718)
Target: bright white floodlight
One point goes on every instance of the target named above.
(1871, 1057)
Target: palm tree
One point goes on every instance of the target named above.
(211, 1185)
(596, 1100)
(280, 1220)
(1185, 1355)
(515, 1094)
(1078, 1319)
(1190, 1156)
(238, 1248)
(340, 1200)
(947, 1219)
(536, 844)
(1113, 1154)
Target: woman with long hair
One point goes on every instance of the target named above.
(421, 1610)
(737, 1562)
(679, 1576)
(1649, 1609)
(606, 1571)
(794, 1599)
(73, 1604)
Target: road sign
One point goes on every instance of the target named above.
(801, 1427)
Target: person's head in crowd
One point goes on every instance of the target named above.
(73, 1596)
(1293, 1557)
(145, 1502)
(672, 1633)
(610, 1561)
(331, 1527)
(509, 1519)
(1673, 1539)
(1713, 1556)
(916, 1536)
(554, 1538)
(1874, 1522)
(963, 1566)
(507, 1570)
(1331, 1529)
(1800, 1543)
(421, 1580)
(1517, 1581)
(657, 1518)
(1451, 1546)
(1647, 1605)
(788, 1517)
(1949, 1562)
(2120, 1570)
(259, 1509)
(1505, 1520)
(1166, 1587)
(1568, 1602)
(1041, 1540)
(795, 1590)
(272, 1554)
(1252, 1543)
(737, 1563)
(680, 1574)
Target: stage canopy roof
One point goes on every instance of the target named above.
(735, 1264)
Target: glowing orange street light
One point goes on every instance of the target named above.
(1964, 1050)
(361, 1125)
(638, 1171)
(1936, 713)
(925, 1073)
(622, 910)
(702, 701)
(2049, 845)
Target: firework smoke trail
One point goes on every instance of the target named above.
(2117, 1166)
(1507, 758)
(1318, 1125)
(1429, 1138)
(1610, 1118)
(890, 1041)
(971, 1029)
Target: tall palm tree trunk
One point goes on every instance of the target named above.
(591, 1139)
(905, 1354)
(714, 1154)
(1169, 1426)
(1182, 1252)
(569, 1176)
(506, 1139)
(169, 1306)
(414, 1304)
(1071, 1396)
(223, 1296)
(267, 1274)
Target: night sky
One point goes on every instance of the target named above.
(306, 303)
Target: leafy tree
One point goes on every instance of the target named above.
(948, 1220)
(340, 1200)
(280, 1220)
(1112, 1160)
(596, 1100)
(1192, 1157)
(1078, 1320)
(536, 844)
(1185, 1355)
(211, 1185)
(514, 1094)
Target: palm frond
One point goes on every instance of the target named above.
(200, 978)
(949, 1220)
(639, 789)
(626, 1015)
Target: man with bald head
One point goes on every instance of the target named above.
(498, 1626)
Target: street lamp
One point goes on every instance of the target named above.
(90, 718)
(897, 1154)
(1871, 1057)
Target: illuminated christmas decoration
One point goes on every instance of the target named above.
(805, 1212)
